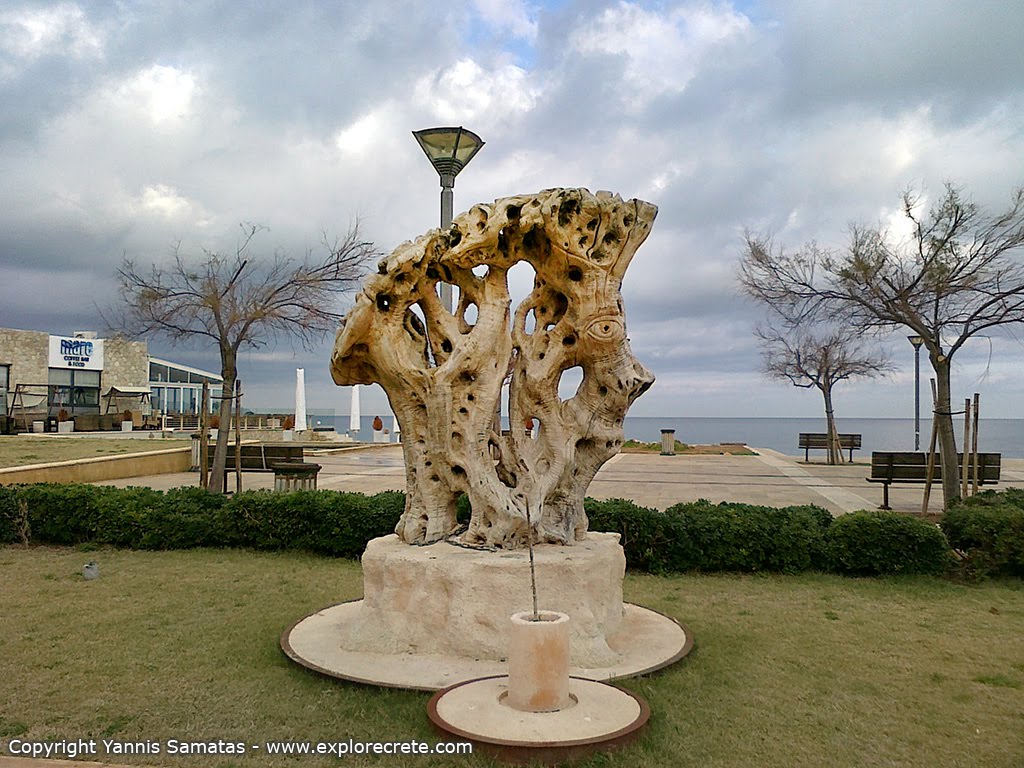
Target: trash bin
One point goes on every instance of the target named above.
(51, 424)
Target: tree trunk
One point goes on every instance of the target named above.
(220, 453)
(835, 451)
(947, 437)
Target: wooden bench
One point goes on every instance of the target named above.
(257, 457)
(889, 467)
(819, 440)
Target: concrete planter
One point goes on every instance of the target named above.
(65, 427)
(538, 662)
(126, 426)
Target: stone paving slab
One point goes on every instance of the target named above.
(770, 478)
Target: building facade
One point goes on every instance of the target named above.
(45, 374)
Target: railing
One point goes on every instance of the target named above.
(187, 421)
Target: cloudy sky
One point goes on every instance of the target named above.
(129, 126)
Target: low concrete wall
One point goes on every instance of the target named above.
(101, 468)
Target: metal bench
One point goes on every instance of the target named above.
(819, 441)
(889, 467)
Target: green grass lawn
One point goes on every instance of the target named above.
(808, 670)
(20, 450)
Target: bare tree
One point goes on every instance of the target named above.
(236, 301)
(957, 275)
(821, 359)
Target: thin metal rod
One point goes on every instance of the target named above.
(533, 570)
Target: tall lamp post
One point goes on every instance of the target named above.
(449, 151)
(917, 341)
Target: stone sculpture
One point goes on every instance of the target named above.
(443, 372)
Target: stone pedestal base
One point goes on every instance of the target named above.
(448, 600)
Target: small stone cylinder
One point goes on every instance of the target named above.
(538, 662)
(668, 442)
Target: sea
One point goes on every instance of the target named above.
(1005, 436)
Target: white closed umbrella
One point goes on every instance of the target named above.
(300, 399)
(353, 411)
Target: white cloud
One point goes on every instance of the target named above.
(64, 28)
(664, 50)
(164, 201)
(166, 93)
(466, 91)
(514, 16)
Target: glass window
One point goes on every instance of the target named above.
(190, 400)
(85, 397)
(179, 376)
(60, 376)
(158, 398)
(174, 400)
(157, 372)
(86, 378)
(5, 377)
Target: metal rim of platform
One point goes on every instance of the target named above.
(291, 653)
(554, 751)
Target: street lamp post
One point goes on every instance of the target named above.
(917, 341)
(449, 151)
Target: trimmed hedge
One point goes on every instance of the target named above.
(324, 522)
(698, 536)
(989, 530)
(879, 543)
(701, 536)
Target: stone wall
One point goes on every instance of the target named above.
(125, 363)
(27, 353)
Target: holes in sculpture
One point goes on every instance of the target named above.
(383, 302)
(569, 381)
(575, 274)
(481, 270)
(470, 314)
(566, 210)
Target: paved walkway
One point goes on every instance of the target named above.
(769, 478)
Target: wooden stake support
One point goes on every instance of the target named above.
(967, 454)
(974, 444)
(931, 453)
(204, 434)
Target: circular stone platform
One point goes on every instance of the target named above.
(645, 641)
(601, 717)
